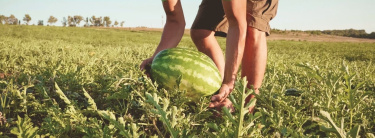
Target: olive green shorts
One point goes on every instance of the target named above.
(211, 16)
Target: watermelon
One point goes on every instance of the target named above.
(186, 69)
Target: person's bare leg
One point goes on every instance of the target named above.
(206, 42)
(254, 60)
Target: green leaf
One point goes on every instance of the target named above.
(338, 130)
(62, 95)
(213, 126)
(162, 113)
(354, 131)
(369, 135)
(90, 101)
(24, 128)
(120, 124)
(234, 101)
(70, 109)
(251, 103)
(229, 115)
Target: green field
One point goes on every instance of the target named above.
(86, 82)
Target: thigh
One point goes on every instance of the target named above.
(211, 16)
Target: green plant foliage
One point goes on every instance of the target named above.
(86, 82)
(24, 128)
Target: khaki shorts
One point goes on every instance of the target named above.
(211, 16)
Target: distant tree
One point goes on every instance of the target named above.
(77, 19)
(52, 19)
(71, 21)
(2, 19)
(40, 22)
(107, 21)
(350, 33)
(92, 20)
(372, 35)
(97, 21)
(64, 22)
(116, 23)
(11, 20)
(27, 19)
(347, 32)
(122, 23)
(314, 32)
(86, 22)
(74, 20)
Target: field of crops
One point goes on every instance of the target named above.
(86, 82)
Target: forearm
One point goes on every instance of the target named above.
(171, 36)
(236, 15)
(233, 54)
(174, 27)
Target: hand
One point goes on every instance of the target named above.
(224, 91)
(146, 65)
(220, 100)
(218, 106)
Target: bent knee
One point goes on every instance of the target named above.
(254, 34)
(199, 34)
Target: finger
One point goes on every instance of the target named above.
(215, 98)
(213, 104)
(220, 96)
(145, 64)
(227, 103)
(221, 105)
(142, 66)
(225, 96)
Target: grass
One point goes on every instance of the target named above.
(85, 82)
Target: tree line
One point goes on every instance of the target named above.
(71, 21)
(350, 33)
(346, 32)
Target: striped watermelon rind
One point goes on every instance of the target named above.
(195, 72)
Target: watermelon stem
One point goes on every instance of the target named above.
(240, 106)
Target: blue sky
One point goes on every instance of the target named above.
(292, 14)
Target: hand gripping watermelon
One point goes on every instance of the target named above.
(186, 69)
